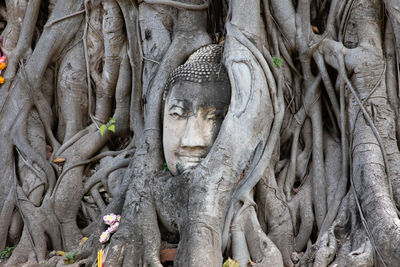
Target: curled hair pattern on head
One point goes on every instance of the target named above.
(204, 65)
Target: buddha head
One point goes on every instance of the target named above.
(196, 100)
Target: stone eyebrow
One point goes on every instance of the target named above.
(176, 106)
(182, 103)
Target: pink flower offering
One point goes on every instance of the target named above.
(113, 228)
(104, 237)
(113, 221)
(110, 219)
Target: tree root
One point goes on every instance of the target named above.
(247, 236)
(275, 214)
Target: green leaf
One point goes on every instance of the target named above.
(112, 121)
(71, 256)
(103, 128)
(111, 128)
(277, 62)
(165, 168)
(6, 253)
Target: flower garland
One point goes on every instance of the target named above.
(113, 221)
(3, 63)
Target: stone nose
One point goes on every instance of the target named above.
(193, 136)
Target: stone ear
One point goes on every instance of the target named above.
(241, 76)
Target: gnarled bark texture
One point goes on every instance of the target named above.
(305, 169)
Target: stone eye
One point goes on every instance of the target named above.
(177, 112)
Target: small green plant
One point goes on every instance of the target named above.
(277, 62)
(109, 126)
(165, 168)
(6, 253)
(70, 258)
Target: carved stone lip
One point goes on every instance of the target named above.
(191, 154)
(191, 158)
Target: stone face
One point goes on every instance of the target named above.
(193, 114)
(195, 106)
